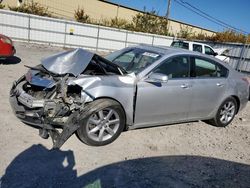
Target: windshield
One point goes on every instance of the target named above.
(133, 60)
(180, 44)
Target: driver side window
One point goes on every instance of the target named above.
(209, 51)
(177, 67)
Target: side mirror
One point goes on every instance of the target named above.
(212, 53)
(157, 78)
(215, 54)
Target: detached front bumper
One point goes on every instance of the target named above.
(21, 107)
(25, 116)
(35, 117)
(30, 117)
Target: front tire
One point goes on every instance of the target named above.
(103, 125)
(225, 113)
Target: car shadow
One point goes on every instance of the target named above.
(10, 60)
(39, 167)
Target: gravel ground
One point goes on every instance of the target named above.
(182, 155)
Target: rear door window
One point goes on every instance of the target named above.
(197, 48)
(204, 68)
(208, 51)
(180, 44)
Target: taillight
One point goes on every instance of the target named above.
(6, 40)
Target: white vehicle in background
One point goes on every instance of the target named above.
(202, 48)
(222, 54)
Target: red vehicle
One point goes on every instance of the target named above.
(6, 46)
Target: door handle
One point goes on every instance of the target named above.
(220, 84)
(185, 86)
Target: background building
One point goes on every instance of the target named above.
(100, 9)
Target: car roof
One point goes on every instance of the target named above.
(193, 42)
(167, 51)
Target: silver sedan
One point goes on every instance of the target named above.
(98, 98)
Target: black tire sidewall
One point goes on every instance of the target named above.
(82, 132)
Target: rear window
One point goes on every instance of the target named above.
(180, 44)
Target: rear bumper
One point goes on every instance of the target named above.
(13, 50)
(10, 51)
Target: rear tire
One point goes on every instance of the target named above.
(225, 113)
(103, 125)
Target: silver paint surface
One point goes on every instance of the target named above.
(169, 102)
(119, 88)
(147, 104)
(74, 62)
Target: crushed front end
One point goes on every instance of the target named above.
(50, 98)
(47, 103)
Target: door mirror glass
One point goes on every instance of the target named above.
(157, 78)
(212, 53)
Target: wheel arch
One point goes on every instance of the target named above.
(238, 102)
(105, 97)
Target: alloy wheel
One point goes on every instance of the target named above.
(227, 112)
(103, 125)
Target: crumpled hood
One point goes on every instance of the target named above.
(73, 62)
